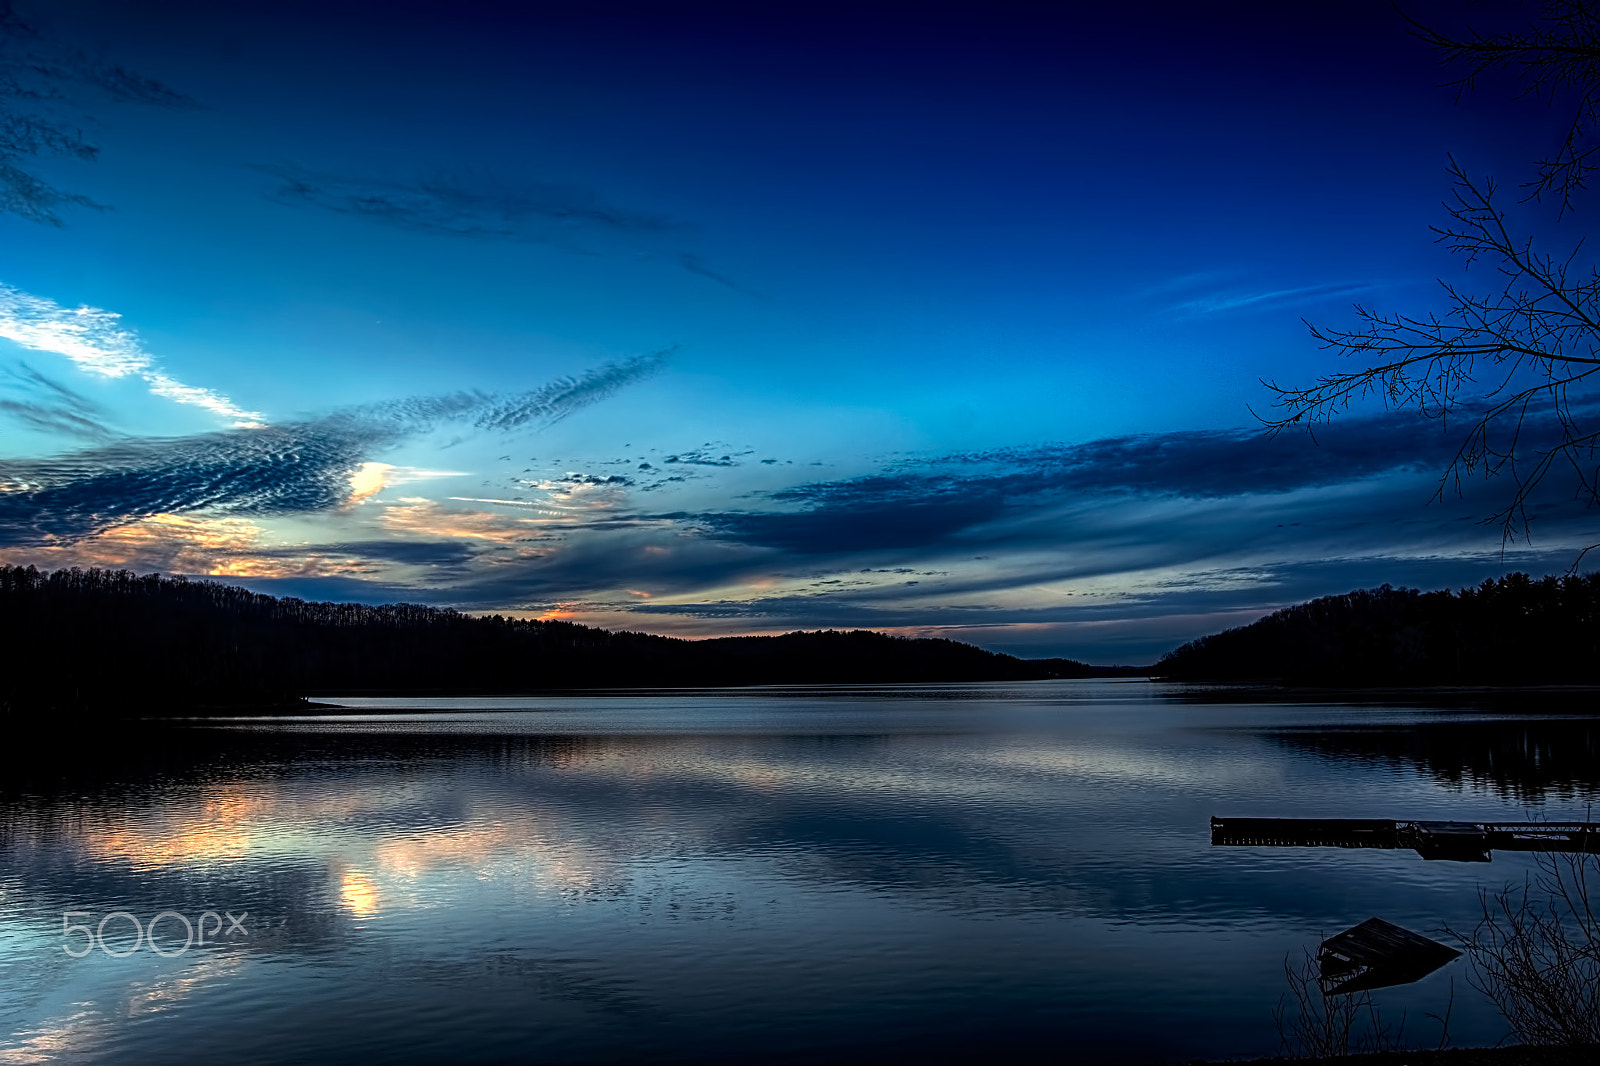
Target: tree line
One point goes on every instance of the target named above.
(1513, 631)
(109, 643)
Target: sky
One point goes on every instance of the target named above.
(941, 319)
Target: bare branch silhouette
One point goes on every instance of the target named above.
(1557, 59)
(1524, 350)
(1518, 363)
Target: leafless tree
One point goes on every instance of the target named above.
(1314, 1023)
(1516, 362)
(1536, 952)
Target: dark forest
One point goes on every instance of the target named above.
(1510, 631)
(109, 643)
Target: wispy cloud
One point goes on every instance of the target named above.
(124, 85)
(52, 408)
(296, 467)
(231, 547)
(946, 499)
(1147, 617)
(555, 401)
(39, 80)
(1039, 516)
(696, 265)
(427, 518)
(1237, 300)
(97, 343)
(464, 207)
(1188, 282)
(573, 217)
(371, 478)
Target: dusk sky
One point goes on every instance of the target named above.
(712, 318)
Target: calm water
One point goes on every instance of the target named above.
(773, 874)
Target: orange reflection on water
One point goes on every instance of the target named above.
(220, 829)
(520, 847)
(357, 893)
(472, 846)
(225, 822)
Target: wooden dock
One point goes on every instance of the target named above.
(1377, 954)
(1456, 841)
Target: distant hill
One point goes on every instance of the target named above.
(110, 643)
(1513, 631)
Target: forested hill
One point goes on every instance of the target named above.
(106, 642)
(1511, 631)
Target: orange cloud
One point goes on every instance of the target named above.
(172, 542)
(183, 544)
(368, 480)
(421, 517)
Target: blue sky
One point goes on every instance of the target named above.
(705, 318)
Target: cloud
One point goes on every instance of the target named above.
(555, 401)
(55, 409)
(531, 211)
(706, 455)
(834, 528)
(925, 503)
(25, 195)
(371, 478)
(695, 265)
(295, 467)
(127, 86)
(1227, 462)
(406, 552)
(160, 542)
(254, 471)
(421, 517)
(1193, 280)
(1146, 616)
(231, 548)
(619, 480)
(996, 526)
(55, 420)
(1275, 298)
(94, 340)
(573, 217)
(38, 81)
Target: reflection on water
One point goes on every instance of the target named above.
(1516, 758)
(790, 873)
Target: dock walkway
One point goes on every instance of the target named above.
(1456, 841)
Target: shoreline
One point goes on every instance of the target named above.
(1507, 1055)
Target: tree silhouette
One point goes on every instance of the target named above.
(113, 644)
(1519, 362)
(1513, 631)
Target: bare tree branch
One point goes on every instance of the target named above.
(1557, 56)
(1519, 363)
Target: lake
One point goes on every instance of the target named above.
(949, 871)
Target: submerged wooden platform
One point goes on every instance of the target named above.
(1457, 841)
(1377, 954)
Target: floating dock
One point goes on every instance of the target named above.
(1377, 954)
(1455, 841)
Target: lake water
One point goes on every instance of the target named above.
(785, 874)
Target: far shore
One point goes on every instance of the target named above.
(1539, 699)
(1514, 1055)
